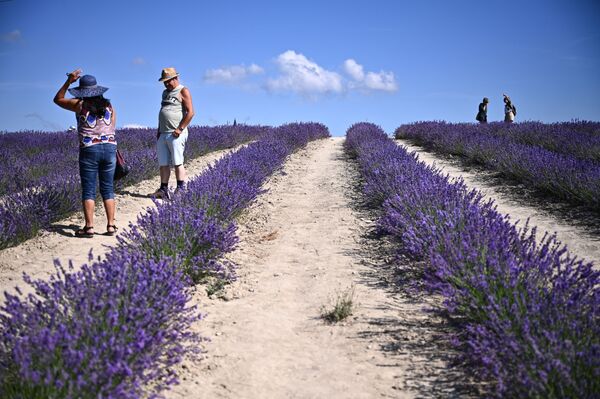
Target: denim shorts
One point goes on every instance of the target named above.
(97, 160)
(170, 149)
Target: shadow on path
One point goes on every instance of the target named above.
(413, 331)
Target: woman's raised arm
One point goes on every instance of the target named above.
(72, 104)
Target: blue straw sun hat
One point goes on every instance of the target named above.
(87, 88)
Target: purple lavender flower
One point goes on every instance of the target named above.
(117, 327)
(527, 313)
(39, 179)
(562, 160)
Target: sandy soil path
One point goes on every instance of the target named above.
(36, 256)
(581, 240)
(301, 244)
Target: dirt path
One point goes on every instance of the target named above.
(580, 240)
(301, 244)
(36, 256)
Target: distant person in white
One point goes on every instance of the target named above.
(510, 111)
(176, 113)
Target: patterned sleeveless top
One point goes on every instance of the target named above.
(93, 129)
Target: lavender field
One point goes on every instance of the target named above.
(39, 181)
(116, 327)
(561, 160)
(217, 291)
(526, 313)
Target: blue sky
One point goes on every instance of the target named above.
(335, 62)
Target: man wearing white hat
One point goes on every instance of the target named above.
(176, 113)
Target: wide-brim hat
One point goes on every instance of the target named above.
(168, 74)
(87, 88)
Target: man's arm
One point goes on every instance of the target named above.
(72, 104)
(188, 106)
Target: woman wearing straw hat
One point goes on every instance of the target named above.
(176, 113)
(97, 146)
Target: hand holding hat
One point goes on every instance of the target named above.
(74, 76)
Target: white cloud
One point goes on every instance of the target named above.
(299, 74)
(231, 74)
(354, 69)
(13, 36)
(382, 80)
(255, 69)
(138, 61)
(134, 126)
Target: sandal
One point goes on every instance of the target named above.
(114, 230)
(86, 232)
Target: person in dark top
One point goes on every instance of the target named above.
(482, 114)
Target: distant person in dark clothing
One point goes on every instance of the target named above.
(482, 114)
(510, 111)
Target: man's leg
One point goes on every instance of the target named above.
(165, 174)
(164, 160)
(180, 173)
(178, 149)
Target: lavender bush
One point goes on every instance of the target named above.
(39, 175)
(580, 139)
(116, 328)
(573, 174)
(197, 227)
(526, 312)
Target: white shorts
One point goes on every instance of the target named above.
(170, 149)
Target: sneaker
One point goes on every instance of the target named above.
(161, 193)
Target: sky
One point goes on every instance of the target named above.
(335, 62)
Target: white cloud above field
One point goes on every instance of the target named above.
(354, 69)
(138, 61)
(296, 73)
(370, 81)
(231, 74)
(12, 37)
(134, 126)
(301, 75)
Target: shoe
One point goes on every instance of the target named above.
(161, 193)
(113, 232)
(179, 190)
(85, 232)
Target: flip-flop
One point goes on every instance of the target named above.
(111, 233)
(84, 232)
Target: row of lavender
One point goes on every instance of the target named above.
(526, 312)
(580, 139)
(118, 327)
(566, 175)
(39, 175)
